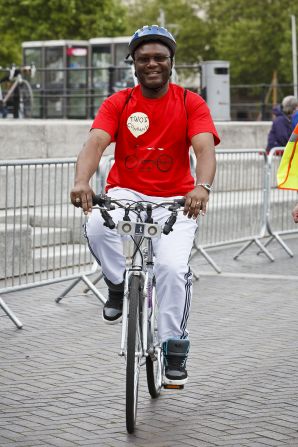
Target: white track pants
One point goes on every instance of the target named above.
(172, 251)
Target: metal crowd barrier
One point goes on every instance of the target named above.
(236, 210)
(279, 219)
(41, 235)
(277, 208)
(247, 203)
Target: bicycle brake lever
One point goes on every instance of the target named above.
(108, 221)
(149, 214)
(168, 226)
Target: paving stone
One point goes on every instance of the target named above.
(63, 383)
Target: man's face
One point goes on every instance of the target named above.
(153, 65)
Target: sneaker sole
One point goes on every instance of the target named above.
(167, 381)
(119, 320)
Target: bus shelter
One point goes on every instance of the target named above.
(111, 70)
(61, 83)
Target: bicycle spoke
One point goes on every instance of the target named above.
(154, 361)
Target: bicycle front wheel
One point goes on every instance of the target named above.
(134, 353)
(154, 361)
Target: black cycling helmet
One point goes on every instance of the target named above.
(152, 33)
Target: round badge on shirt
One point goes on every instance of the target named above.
(137, 123)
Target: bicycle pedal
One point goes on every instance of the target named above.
(168, 386)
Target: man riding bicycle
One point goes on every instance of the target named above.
(153, 126)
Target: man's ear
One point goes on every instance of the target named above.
(172, 64)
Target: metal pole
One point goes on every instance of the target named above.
(294, 52)
(162, 18)
(10, 314)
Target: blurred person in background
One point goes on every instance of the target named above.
(282, 127)
(295, 118)
(295, 213)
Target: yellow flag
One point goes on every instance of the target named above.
(287, 173)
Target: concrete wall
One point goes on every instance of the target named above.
(31, 139)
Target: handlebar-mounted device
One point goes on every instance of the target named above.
(147, 228)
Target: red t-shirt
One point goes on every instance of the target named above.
(153, 138)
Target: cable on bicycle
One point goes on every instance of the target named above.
(138, 248)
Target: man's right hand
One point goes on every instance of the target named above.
(81, 196)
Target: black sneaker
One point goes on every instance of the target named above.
(175, 356)
(112, 310)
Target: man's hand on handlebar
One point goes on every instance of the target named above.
(81, 196)
(196, 202)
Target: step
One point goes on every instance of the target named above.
(55, 258)
(43, 237)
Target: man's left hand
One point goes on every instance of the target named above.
(196, 202)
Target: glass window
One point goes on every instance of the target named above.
(101, 60)
(123, 76)
(34, 56)
(54, 66)
(77, 82)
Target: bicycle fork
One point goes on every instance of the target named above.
(125, 312)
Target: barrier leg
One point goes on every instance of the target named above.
(95, 281)
(68, 289)
(206, 256)
(258, 243)
(269, 241)
(275, 236)
(10, 314)
(88, 283)
(195, 275)
(94, 289)
(283, 244)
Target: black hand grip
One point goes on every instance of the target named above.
(168, 226)
(178, 204)
(99, 199)
(181, 202)
(103, 200)
(108, 221)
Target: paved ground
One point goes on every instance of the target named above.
(62, 382)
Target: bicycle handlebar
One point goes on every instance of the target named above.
(106, 204)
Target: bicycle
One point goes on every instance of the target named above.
(139, 336)
(20, 92)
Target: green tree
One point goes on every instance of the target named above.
(22, 20)
(181, 18)
(254, 36)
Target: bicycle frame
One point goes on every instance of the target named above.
(138, 346)
(137, 268)
(22, 107)
(12, 89)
